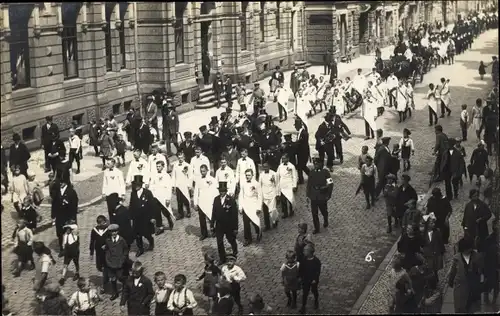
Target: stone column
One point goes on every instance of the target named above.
(6, 88)
(354, 34)
(256, 29)
(335, 32)
(197, 38)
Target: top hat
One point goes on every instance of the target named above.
(222, 186)
(203, 128)
(138, 179)
(287, 136)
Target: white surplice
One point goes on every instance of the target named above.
(160, 184)
(401, 99)
(226, 175)
(287, 180)
(302, 108)
(138, 168)
(432, 100)
(359, 83)
(182, 178)
(445, 94)
(339, 103)
(369, 112)
(268, 185)
(250, 200)
(282, 96)
(243, 165)
(196, 163)
(205, 191)
(153, 159)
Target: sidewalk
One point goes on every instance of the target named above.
(189, 121)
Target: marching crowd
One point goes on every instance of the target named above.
(243, 164)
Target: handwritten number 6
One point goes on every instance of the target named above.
(368, 257)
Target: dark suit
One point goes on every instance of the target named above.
(143, 210)
(327, 59)
(64, 208)
(206, 143)
(218, 88)
(170, 129)
(333, 71)
(433, 250)
(319, 192)
(54, 148)
(232, 158)
(225, 223)
(476, 215)
(121, 216)
(143, 138)
(327, 148)
(228, 87)
(440, 147)
(383, 161)
(452, 169)
(303, 152)
(47, 139)
(404, 195)
(138, 298)
(295, 79)
(340, 129)
(187, 149)
(19, 157)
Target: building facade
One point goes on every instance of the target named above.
(81, 61)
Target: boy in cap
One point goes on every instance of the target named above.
(142, 208)
(187, 147)
(116, 256)
(234, 275)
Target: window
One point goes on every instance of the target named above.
(243, 25)
(282, 62)
(262, 18)
(78, 119)
(123, 9)
(185, 98)
(248, 79)
(69, 39)
(28, 133)
(266, 67)
(19, 15)
(107, 36)
(180, 7)
(127, 105)
(277, 15)
(116, 108)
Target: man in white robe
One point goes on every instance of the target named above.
(113, 185)
(268, 184)
(138, 167)
(226, 175)
(338, 102)
(160, 184)
(205, 191)
(401, 101)
(445, 97)
(380, 93)
(359, 82)
(433, 104)
(287, 185)
(197, 161)
(154, 157)
(183, 184)
(369, 113)
(373, 76)
(302, 107)
(282, 96)
(392, 84)
(250, 204)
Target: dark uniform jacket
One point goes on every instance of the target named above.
(48, 132)
(476, 211)
(138, 298)
(225, 217)
(19, 156)
(65, 206)
(116, 253)
(142, 210)
(170, 123)
(322, 131)
(318, 188)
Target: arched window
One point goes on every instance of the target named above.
(180, 7)
(277, 15)
(69, 39)
(123, 10)
(262, 18)
(243, 25)
(19, 16)
(107, 36)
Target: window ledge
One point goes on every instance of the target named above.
(110, 75)
(70, 83)
(23, 93)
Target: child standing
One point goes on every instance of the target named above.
(46, 261)
(162, 294)
(23, 237)
(29, 213)
(362, 157)
(181, 300)
(121, 147)
(368, 176)
(210, 277)
(85, 300)
(309, 271)
(482, 70)
(290, 276)
(19, 188)
(234, 275)
(241, 95)
(71, 250)
(303, 239)
(75, 146)
(390, 196)
(407, 149)
(464, 121)
(98, 237)
(395, 165)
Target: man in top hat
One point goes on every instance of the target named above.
(225, 221)
(205, 191)
(257, 98)
(217, 144)
(341, 131)
(319, 191)
(228, 90)
(170, 124)
(324, 140)
(383, 161)
(48, 129)
(64, 208)
(187, 146)
(19, 155)
(142, 208)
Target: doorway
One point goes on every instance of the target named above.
(206, 50)
(363, 32)
(342, 26)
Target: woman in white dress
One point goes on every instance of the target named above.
(432, 104)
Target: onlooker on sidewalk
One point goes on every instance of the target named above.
(19, 155)
(48, 129)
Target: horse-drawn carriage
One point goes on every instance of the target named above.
(402, 68)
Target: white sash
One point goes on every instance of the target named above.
(251, 203)
(206, 199)
(162, 191)
(369, 113)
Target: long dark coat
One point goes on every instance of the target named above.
(433, 250)
(138, 298)
(404, 195)
(466, 282)
(474, 211)
(122, 217)
(383, 161)
(478, 162)
(19, 156)
(142, 211)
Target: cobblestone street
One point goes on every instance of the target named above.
(342, 247)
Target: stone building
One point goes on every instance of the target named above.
(77, 61)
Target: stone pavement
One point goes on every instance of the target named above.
(465, 87)
(353, 232)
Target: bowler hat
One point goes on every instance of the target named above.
(214, 119)
(138, 179)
